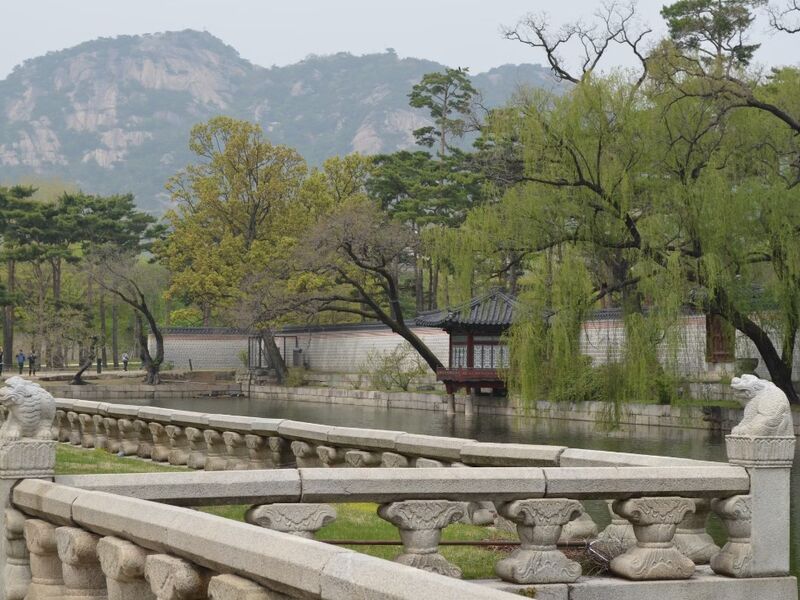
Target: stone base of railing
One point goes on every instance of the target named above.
(704, 584)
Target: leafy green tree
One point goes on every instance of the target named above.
(448, 97)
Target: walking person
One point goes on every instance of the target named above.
(32, 363)
(21, 360)
(125, 359)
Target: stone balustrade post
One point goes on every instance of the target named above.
(392, 460)
(123, 566)
(429, 463)
(87, 430)
(197, 448)
(178, 445)
(736, 557)
(302, 520)
(538, 560)
(216, 459)
(172, 578)
(113, 439)
(46, 577)
(233, 587)
(331, 456)
(581, 529)
(100, 436)
(420, 523)
(74, 428)
(768, 460)
(128, 437)
(145, 448)
(281, 450)
(83, 577)
(362, 459)
(236, 450)
(17, 576)
(305, 455)
(654, 523)
(60, 430)
(618, 535)
(691, 537)
(258, 452)
(160, 448)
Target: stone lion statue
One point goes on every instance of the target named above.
(31, 410)
(766, 408)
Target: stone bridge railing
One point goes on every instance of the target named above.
(659, 507)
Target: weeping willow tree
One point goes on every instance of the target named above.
(640, 195)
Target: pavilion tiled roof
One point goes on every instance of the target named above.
(493, 309)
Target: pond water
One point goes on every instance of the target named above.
(665, 441)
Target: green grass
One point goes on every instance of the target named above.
(354, 521)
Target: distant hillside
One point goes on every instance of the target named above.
(114, 114)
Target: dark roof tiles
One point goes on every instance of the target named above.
(495, 309)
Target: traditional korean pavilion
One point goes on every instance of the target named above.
(477, 352)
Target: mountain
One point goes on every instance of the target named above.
(114, 114)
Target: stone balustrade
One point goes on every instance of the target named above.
(85, 529)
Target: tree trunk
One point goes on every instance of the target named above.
(115, 332)
(206, 314)
(8, 315)
(88, 361)
(103, 329)
(276, 361)
(418, 283)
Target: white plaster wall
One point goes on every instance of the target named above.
(206, 351)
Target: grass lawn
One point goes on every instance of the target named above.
(356, 521)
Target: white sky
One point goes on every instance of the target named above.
(270, 32)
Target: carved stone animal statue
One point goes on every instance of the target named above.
(766, 408)
(31, 410)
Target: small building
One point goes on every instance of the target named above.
(477, 352)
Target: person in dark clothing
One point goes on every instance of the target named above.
(1, 362)
(21, 361)
(125, 359)
(32, 363)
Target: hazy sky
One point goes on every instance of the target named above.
(267, 32)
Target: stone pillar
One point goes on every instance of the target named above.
(331, 456)
(236, 450)
(145, 449)
(100, 436)
(618, 535)
(392, 460)
(302, 520)
(429, 463)
(305, 455)
(63, 426)
(691, 538)
(580, 530)
(160, 449)
(768, 461)
(233, 587)
(538, 560)
(258, 453)
(654, 523)
(172, 578)
(216, 459)
(420, 523)
(469, 403)
(113, 440)
(282, 455)
(83, 577)
(128, 436)
(736, 557)
(74, 428)
(46, 578)
(17, 574)
(362, 458)
(178, 445)
(197, 448)
(87, 430)
(123, 566)
(451, 404)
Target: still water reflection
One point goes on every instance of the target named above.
(666, 441)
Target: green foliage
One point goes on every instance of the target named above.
(394, 369)
(296, 377)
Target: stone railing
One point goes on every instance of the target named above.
(659, 507)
